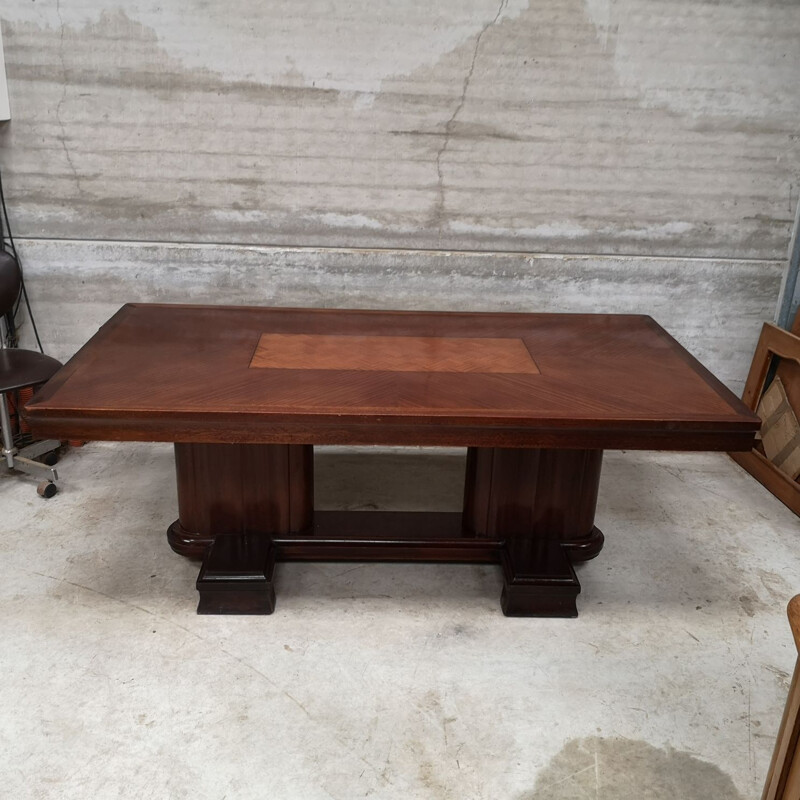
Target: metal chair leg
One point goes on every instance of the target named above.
(9, 451)
(14, 460)
(36, 449)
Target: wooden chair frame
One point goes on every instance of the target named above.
(783, 778)
(774, 341)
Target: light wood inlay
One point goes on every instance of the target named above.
(393, 353)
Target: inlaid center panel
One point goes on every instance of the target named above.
(392, 353)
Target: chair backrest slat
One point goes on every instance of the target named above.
(10, 281)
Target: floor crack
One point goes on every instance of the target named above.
(438, 211)
(67, 153)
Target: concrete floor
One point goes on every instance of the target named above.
(394, 681)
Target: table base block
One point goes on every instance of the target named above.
(242, 507)
(236, 575)
(538, 580)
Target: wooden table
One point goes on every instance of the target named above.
(245, 393)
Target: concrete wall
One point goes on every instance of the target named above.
(630, 155)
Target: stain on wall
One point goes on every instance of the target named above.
(540, 131)
(622, 128)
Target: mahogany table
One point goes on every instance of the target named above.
(245, 393)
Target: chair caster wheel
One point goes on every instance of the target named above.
(46, 489)
(51, 459)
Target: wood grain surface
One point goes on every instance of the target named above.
(392, 353)
(182, 373)
(544, 494)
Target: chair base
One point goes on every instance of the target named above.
(24, 460)
(35, 450)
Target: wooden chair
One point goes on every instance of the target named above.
(783, 778)
(21, 369)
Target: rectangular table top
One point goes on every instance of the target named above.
(319, 376)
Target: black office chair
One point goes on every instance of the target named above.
(21, 369)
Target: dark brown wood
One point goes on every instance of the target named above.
(183, 373)
(514, 499)
(250, 429)
(538, 579)
(236, 576)
(426, 536)
(245, 393)
(540, 494)
(240, 488)
(773, 343)
(542, 504)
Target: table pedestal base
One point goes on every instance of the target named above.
(245, 507)
(236, 576)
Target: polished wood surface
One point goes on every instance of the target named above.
(239, 488)
(183, 373)
(393, 354)
(783, 777)
(530, 511)
(236, 576)
(538, 579)
(237, 573)
(542, 494)
(246, 392)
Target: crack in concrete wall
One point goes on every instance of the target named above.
(61, 100)
(519, 130)
(542, 149)
(438, 211)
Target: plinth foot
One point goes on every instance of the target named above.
(538, 580)
(236, 576)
